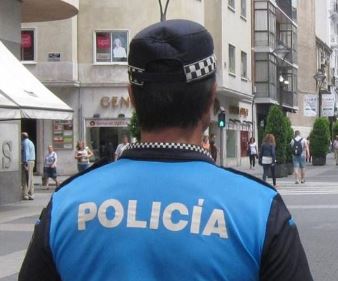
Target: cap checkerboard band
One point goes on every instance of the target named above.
(193, 71)
(200, 69)
(133, 80)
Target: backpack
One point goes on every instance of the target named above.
(297, 147)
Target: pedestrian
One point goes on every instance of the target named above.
(109, 151)
(82, 155)
(268, 157)
(252, 152)
(300, 151)
(205, 142)
(28, 162)
(121, 147)
(49, 169)
(308, 157)
(213, 147)
(164, 210)
(335, 148)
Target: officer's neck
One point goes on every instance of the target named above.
(176, 135)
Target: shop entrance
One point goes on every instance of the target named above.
(104, 140)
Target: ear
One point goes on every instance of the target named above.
(131, 96)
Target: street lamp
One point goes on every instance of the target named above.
(320, 77)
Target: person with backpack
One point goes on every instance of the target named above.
(300, 151)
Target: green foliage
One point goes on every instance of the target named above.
(320, 137)
(335, 130)
(276, 125)
(134, 127)
(289, 137)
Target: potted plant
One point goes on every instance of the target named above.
(319, 141)
(276, 125)
(134, 127)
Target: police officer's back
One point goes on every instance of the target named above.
(164, 210)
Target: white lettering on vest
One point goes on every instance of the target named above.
(131, 218)
(155, 215)
(216, 224)
(118, 216)
(87, 212)
(167, 213)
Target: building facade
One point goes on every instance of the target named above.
(86, 66)
(12, 14)
(276, 64)
(230, 24)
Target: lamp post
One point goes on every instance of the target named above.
(320, 77)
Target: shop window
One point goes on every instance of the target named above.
(111, 46)
(244, 135)
(232, 59)
(243, 8)
(27, 45)
(244, 66)
(231, 144)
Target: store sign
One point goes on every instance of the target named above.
(9, 147)
(115, 102)
(54, 56)
(310, 105)
(92, 123)
(26, 40)
(236, 110)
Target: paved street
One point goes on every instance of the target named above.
(313, 204)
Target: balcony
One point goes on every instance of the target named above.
(48, 10)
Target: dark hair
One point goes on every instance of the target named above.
(171, 104)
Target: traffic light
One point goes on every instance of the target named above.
(221, 119)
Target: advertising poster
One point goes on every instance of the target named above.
(63, 134)
(328, 102)
(310, 105)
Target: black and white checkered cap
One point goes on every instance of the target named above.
(187, 43)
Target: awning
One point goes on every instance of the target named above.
(24, 96)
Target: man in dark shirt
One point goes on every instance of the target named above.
(164, 210)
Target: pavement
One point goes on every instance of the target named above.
(17, 220)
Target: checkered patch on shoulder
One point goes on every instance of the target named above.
(198, 70)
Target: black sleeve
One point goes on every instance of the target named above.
(38, 264)
(283, 254)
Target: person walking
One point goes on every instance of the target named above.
(252, 152)
(28, 162)
(268, 157)
(300, 151)
(82, 155)
(164, 210)
(121, 147)
(335, 148)
(49, 169)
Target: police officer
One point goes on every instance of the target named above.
(164, 210)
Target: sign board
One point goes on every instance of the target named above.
(54, 56)
(328, 103)
(92, 123)
(9, 147)
(310, 105)
(63, 134)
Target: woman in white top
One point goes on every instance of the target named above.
(82, 155)
(49, 169)
(252, 152)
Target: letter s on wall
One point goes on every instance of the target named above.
(7, 154)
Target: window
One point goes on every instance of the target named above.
(244, 66)
(231, 3)
(27, 45)
(243, 8)
(232, 59)
(111, 46)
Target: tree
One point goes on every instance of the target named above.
(134, 127)
(319, 140)
(276, 125)
(289, 137)
(335, 130)
(163, 13)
